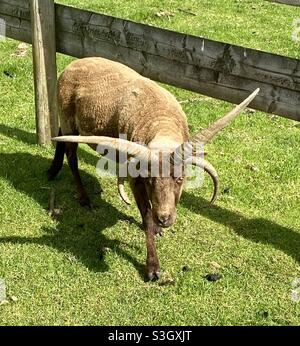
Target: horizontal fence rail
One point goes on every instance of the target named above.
(215, 69)
(287, 2)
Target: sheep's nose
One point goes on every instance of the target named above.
(164, 219)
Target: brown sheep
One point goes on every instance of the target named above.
(100, 99)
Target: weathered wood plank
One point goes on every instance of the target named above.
(287, 2)
(193, 78)
(212, 68)
(17, 29)
(44, 63)
(18, 9)
(16, 15)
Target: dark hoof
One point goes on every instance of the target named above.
(85, 203)
(158, 231)
(153, 275)
(51, 175)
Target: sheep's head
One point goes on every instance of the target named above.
(165, 186)
(161, 183)
(165, 179)
(164, 190)
(164, 193)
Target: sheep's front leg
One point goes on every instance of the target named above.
(150, 228)
(152, 264)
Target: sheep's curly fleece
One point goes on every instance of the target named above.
(101, 97)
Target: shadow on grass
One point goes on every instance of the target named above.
(258, 230)
(20, 135)
(79, 232)
(30, 138)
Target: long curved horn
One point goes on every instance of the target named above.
(122, 191)
(121, 145)
(207, 134)
(209, 168)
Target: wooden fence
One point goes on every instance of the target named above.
(287, 2)
(216, 69)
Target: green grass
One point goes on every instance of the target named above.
(86, 268)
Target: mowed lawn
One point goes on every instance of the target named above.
(87, 267)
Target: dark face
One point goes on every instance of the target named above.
(164, 194)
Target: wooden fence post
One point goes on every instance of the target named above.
(44, 67)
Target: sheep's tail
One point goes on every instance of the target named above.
(58, 160)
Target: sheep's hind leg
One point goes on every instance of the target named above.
(71, 152)
(58, 160)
